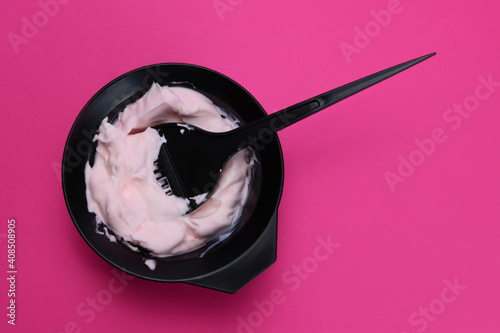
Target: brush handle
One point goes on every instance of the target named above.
(262, 128)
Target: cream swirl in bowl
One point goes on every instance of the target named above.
(122, 190)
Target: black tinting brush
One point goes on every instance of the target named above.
(191, 159)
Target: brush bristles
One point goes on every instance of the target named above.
(161, 178)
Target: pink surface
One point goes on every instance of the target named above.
(414, 247)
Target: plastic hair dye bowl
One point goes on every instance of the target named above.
(226, 265)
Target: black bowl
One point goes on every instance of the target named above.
(228, 265)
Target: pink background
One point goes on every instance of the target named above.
(422, 256)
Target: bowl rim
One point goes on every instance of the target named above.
(102, 91)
